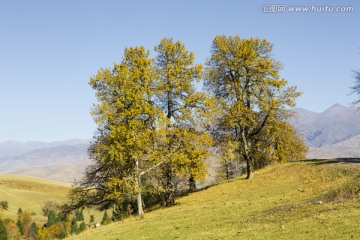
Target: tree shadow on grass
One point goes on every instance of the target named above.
(330, 161)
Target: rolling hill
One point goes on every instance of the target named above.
(300, 200)
(30, 193)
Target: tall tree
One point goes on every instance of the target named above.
(356, 88)
(245, 79)
(127, 119)
(177, 97)
(149, 130)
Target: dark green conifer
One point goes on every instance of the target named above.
(3, 232)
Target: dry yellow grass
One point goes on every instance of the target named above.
(30, 194)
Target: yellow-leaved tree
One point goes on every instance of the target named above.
(123, 148)
(150, 133)
(185, 145)
(253, 98)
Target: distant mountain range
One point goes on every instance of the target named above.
(63, 161)
(330, 134)
(333, 133)
(13, 148)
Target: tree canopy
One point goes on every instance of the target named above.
(156, 129)
(149, 124)
(244, 77)
(183, 146)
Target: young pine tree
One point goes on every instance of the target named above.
(79, 216)
(34, 229)
(105, 220)
(52, 219)
(3, 232)
(20, 226)
(74, 227)
(82, 227)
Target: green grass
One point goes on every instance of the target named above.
(279, 203)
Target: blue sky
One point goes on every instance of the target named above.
(49, 50)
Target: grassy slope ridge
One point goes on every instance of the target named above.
(29, 193)
(279, 203)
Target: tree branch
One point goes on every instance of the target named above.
(149, 169)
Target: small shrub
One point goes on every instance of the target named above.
(4, 205)
(49, 206)
(57, 230)
(92, 218)
(19, 212)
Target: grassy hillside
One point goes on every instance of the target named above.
(29, 193)
(281, 202)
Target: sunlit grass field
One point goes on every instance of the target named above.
(302, 200)
(31, 193)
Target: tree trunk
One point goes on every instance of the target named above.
(246, 156)
(169, 195)
(192, 184)
(138, 186)
(249, 172)
(140, 206)
(227, 171)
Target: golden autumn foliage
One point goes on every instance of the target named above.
(149, 124)
(155, 129)
(185, 148)
(252, 96)
(127, 119)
